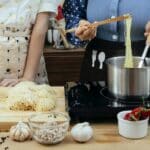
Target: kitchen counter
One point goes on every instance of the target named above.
(105, 137)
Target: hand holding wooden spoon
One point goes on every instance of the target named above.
(84, 31)
(147, 33)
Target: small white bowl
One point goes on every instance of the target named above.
(132, 129)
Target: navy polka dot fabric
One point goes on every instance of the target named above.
(74, 11)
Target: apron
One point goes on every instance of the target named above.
(92, 69)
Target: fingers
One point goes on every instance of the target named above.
(13, 83)
(93, 33)
(147, 28)
(5, 82)
(84, 23)
(88, 35)
(9, 82)
(80, 30)
(85, 33)
(146, 34)
(148, 39)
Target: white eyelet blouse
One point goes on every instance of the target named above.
(16, 20)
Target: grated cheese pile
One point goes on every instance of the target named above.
(30, 96)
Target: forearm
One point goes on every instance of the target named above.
(35, 49)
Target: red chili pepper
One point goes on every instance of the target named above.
(130, 117)
(145, 113)
(138, 113)
(127, 116)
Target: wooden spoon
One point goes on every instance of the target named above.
(103, 22)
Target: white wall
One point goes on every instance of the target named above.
(60, 1)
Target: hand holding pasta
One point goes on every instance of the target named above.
(147, 32)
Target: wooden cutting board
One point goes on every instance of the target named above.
(9, 117)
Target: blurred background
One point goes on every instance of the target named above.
(63, 61)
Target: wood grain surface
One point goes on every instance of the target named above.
(8, 117)
(105, 137)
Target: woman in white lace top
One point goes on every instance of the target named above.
(23, 26)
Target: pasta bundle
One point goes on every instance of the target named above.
(30, 96)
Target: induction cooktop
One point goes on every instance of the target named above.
(91, 101)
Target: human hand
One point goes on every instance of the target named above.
(11, 82)
(147, 32)
(84, 32)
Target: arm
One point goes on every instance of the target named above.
(35, 51)
(74, 11)
(36, 46)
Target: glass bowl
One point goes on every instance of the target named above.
(49, 128)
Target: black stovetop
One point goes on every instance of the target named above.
(92, 102)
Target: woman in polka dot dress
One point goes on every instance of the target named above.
(108, 40)
(23, 26)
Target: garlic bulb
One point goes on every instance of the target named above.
(82, 132)
(20, 132)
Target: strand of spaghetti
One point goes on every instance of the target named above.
(128, 53)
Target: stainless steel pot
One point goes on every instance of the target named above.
(128, 82)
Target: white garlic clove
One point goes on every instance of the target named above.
(12, 132)
(82, 132)
(87, 133)
(22, 137)
(20, 132)
(25, 132)
(17, 134)
(30, 134)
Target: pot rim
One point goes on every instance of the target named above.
(108, 60)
